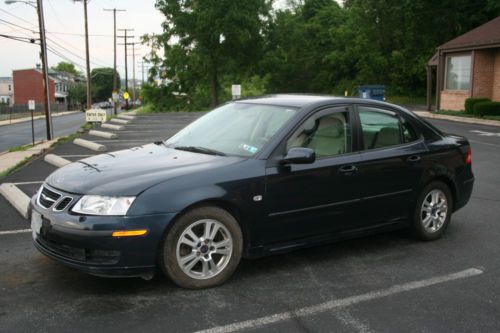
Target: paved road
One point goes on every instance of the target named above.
(383, 283)
(20, 134)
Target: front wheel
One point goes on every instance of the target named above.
(202, 249)
(433, 211)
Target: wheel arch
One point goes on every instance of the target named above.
(228, 206)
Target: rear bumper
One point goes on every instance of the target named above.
(464, 193)
(85, 242)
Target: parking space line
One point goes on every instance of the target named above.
(484, 143)
(29, 183)
(14, 232)
(344, 302)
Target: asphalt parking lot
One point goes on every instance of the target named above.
(383, 283)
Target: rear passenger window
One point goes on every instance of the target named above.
(409, 133)
(380, 128)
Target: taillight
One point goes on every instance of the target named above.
(468, 159)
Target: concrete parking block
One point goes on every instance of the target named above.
(90, 145)
(120, 121)
(113, 127)
(16, 197)
(102, 134)
(126, 117)
(55, 160)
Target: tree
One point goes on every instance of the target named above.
(77, 94)
(102, 83)
(67, 68)
(212, 38)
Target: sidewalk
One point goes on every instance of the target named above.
(427, 114)
(10, 160)
(21, 120)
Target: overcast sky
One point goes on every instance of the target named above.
(64, 17)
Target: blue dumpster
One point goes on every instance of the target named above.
(372, 92)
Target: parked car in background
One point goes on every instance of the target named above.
(251, 178)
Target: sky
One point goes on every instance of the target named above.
(64, 22)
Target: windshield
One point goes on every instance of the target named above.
(233, 129)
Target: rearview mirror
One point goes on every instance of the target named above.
(299, 155)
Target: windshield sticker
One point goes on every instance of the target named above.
(248, 148)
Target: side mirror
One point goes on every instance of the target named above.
(299, 155)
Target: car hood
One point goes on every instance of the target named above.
(131, 171)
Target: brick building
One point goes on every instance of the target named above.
(467, 66)
(28, 84)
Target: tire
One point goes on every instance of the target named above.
(432, 211)
(207, 261)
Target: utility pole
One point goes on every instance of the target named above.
(133, 73)
(89, 101)
(45, 70)
(115, 76)
(126, 36)
(143, 71)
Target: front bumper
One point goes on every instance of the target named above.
(85, 242)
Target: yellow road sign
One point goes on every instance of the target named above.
(126, 95)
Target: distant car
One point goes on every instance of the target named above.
(251, 178)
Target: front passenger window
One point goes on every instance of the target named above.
(327, 134)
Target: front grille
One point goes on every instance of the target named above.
(63, 203)
(47, 198)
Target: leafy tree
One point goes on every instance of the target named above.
(67, 68)
(102, 83)
(207, 39)
(77, 94)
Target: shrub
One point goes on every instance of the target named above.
(470, 102)
(487, 109)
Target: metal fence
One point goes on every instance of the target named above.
(21, 111)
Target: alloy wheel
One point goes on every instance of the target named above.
(434, 211)
(204, 249)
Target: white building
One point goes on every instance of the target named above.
(6, 91)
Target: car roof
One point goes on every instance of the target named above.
(292, 100)
(305, 100)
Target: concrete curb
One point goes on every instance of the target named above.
(132, 113)
(119, 121)
(466, 120)
(124, 116)
(90, 145)
(55, 160)
(113, 127)
(102, 134)
(16, 197)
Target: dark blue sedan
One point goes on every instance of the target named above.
(252, 178)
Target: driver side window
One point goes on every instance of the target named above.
(328, 134)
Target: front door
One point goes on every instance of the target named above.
(305, 200)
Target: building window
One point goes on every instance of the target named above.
(458, 72)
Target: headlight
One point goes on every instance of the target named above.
(100, 205)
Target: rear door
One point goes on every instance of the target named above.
(391, 151)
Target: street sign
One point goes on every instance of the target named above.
(236, 91)
(126, 95)
(95, 116)
(31, 105)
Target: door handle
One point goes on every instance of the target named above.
(348, 170)
(413, 158)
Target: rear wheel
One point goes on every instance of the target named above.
(433, 211)
(202, 249)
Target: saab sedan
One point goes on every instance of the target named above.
(251, 178)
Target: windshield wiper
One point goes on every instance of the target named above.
(203, 150)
